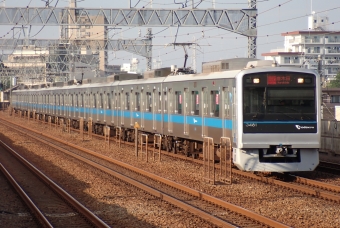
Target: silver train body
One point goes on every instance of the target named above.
(271, 114)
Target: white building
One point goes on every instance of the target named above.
(27, 63)
(305, 48)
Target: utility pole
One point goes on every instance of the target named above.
(194, 56)
(252, 25)
(149, 50)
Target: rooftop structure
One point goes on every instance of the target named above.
(307, 48)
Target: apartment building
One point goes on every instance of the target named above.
(307, 48)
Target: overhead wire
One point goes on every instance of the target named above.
(217, 36)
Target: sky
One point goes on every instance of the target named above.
(274, 18)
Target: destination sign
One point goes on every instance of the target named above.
(278, 80)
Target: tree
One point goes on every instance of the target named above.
(335, 83)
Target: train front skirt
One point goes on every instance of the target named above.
(254, 160)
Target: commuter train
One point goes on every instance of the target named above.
(270, 113)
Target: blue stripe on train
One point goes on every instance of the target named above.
(175, 118)
(280, 122)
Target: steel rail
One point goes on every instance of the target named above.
(302, 189)
(214, 220)
(92, 218)
(29, 203)
(188, 190)
(329, 165)
(316, 193)
(302, 180)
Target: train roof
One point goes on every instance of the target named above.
(252, 67)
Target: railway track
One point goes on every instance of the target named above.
(49, 203)
(329, 167)
(217, 212)
(13, 211)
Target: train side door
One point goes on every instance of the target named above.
(101, 105)
(81, 105)
(92, 105)
(143, 108)
(70, 105)
(75, 105)
(225, 109)
(128, 108)
(154, 109)
(170, 111)
(105, 103)
(205, 109)
(65, 97)
(234, 113)
(137, 114)
(132, 107)
(117, 108)
(186, 110)
(112, 107)
(158, 116)
(122, 107)
(98, 104)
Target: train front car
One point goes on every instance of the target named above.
(280, 128)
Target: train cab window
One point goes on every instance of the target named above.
(214, 103)
(165, 98)
(127, 100)
(178, 104)
(137, 108)
(195, 103)
(148, 102)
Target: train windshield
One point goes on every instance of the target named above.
(279, 102)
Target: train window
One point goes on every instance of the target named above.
(195, 103)
(127, 101)
(113, 97)
(116, 101)
(165, 98)
(178, 104)
(226, 101)
(214, 103)
(94, 101)
(159, 101)
(77, 100)
(108, 101)
(205, 101)
(82, 100)
(148, 102)
(137, 101)
(72, 104)
(101, 100)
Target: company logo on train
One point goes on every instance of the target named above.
(271, 114)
